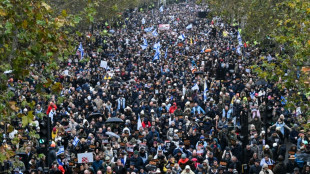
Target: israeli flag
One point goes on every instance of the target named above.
(149, 29)
(156, 56)
(143, 21)
(203, 49)
(239, 39)
(60, 150)
(139, 124)
(154, 33)
(195, 87)
(182, 37)
(81, 50)
(144, 46)
(205, 86)
(75, 141)
(190, 26)
(166, 53)
(161, 9)
(239, 50)
(156, 46)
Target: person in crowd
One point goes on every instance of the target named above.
(156, 91)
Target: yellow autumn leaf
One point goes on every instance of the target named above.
(47, 7)
(2, 12)
(13, 106)
(25, 24)
(59, 22)
(291, 4)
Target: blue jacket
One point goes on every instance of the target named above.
(96, 165)
(198, 109)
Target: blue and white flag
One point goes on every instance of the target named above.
(239, 50)
(203, 49)
(182, 37)
(157, 53)
(81, 50)
(139, 124)
(143, 21)
(156, 56)
(156, 46)
(205, 87)
(239, 39)
(154, 33)
(60, 150)
(161, 9)
(166, 53)
(149, 29)
(59, 162)
(144, 46)
(195, 87)
(190, 26)
(75, 141)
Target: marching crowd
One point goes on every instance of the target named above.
(181, 99)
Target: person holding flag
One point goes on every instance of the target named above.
(161, 9)
(139, 123)
(182, 37)
(166, 52)
(205, 87)
(154, 33)
(144, 46)
(81, 50)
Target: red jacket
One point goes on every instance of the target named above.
(146, 125)
(50, 107)
(172, 109)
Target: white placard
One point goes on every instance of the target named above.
(66, 72)
(85, 157)
(103, 64)
(164, 27)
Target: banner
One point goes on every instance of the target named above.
(85, 157)
(164, 27)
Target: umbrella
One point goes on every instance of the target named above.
(94, 115)
(261, 82)
(198, 72)
(114, 120)
(112, 134)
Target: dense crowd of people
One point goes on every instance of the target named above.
(197, 108)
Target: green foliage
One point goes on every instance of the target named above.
(27, 119)
(33, 32)
(33, 134)
(282, 29)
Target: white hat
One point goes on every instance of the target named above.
(187, 167)
(274, 144)
(267, 146)
(265, 165)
